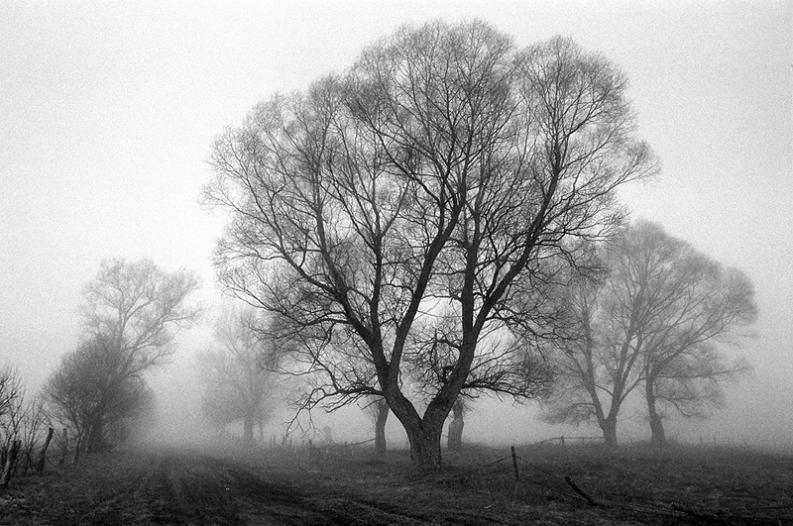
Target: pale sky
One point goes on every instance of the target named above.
(108, 111)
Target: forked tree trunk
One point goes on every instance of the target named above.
(379, 427)
(423, 432)
(658, 436)
(425, 447)
(609, 427)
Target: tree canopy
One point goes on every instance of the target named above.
(441, 173)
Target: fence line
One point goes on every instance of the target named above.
(564, 439)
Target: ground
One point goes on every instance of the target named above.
(160, 485)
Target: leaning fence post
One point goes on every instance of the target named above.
(515, 463)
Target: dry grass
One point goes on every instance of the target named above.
(632, 485)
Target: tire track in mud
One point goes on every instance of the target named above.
(189, 490)
(249, 498)
(281, 503)
(192, 488)
(118, 499)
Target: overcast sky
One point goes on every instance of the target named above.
(108, 111)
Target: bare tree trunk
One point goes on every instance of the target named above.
(424, 433)
(657, 429)
(28, 461)
(609, 427)
(94, 442)
(64, 447)
(658, 436)
(77, 446)
(455, 439)
(9, 463)
(43, 452)
(425, 450)
(379, 427)
(247, 429)
(425, 445)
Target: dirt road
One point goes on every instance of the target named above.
(278, 487)
(170, 487)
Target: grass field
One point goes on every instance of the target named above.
(632, 485)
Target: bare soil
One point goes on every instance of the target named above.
(478, 486)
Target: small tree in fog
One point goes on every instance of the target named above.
(12, 403)
(697, 305)
(236, 378)
(136, 307)
(650, 318)
(131, 311)
(440, 169)
(35, 419)
(91, 393)
(594, 374)
(11, 392)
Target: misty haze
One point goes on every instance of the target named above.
(396, 263)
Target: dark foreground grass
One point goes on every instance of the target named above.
(632, 485)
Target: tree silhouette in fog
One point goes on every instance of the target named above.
(439, 171)
(652, 317)
(131, 312)
(237, 378)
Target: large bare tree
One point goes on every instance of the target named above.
(435, 174)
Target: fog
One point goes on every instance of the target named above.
(109, 112)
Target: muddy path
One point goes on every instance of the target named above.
(272, 487)
(188, 488)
